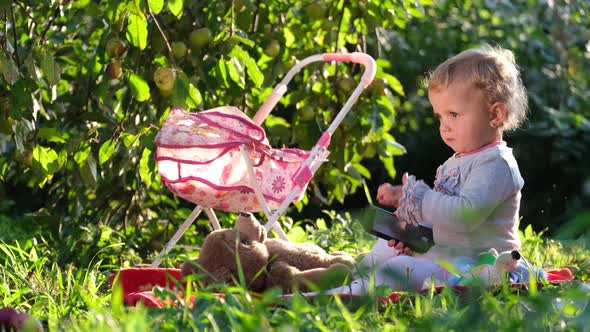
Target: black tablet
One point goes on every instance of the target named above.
(386, 225)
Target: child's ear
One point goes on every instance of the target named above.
(498, 114)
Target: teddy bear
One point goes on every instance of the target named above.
(490, 269)
(495, 270)
(265, 262)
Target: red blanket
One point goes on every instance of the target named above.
(137, 283)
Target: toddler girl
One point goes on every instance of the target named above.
(476, 96)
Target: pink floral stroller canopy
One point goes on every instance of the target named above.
(199, 159)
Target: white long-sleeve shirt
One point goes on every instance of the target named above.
(474, 205)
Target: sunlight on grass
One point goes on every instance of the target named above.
(70, 298)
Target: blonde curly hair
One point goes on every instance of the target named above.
(492, 70)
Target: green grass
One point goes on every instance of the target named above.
(79, 298)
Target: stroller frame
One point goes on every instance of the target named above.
(315, 159)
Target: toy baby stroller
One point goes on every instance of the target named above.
(220, 159)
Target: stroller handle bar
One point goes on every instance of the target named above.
(355, 57)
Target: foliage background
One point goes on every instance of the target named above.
(77, 168)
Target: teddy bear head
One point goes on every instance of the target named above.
(494, 271)
(221, 250)
(507, 261)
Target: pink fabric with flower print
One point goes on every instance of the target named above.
(199, 159)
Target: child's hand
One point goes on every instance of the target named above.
(389, 195)
(400, 246)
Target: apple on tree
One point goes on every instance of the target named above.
(114, 70)
(178, 49)
(307, 113)
(273, 48)
(164, 78)
(26, 157)
(378, 86)
(346, 84)
(116, 47)
(316, 10)
(200, 38)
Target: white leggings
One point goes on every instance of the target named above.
(408, 273)
(399, 272)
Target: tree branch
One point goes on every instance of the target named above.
(256, 17)
(26, 12)
(153, 16)
(55, 14)
(231, 25)
(4, 38)
(15, 37)
(340, 28)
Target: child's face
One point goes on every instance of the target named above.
(464, 116)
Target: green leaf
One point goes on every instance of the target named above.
(21, 132)
(88, 171)
(289, 37)
(256, 76)
(271, 121)
(139, 87)
(3, 168)
(243, 40)
(193, 92)
(353, 172)
(388, 163)
(297, 234)
(106, 151)
(393, 83)
(392, 147)
(31, 68)
(80, 3)
(449, 267)
(185, 94)
(528, 232)
(45, 163)
(9, 69)
(162, 60)
(82, 154)
(220, 71)
(416, 12)
(128, 139)
(362, 170)
(40, 160)
(50, 69)
(156, 5)
(137, 7)
(137, 31)
(236, 71)
(145, 171)
(175, 7)
(52, 135)
(119, 14)
(62, 157)
(386, 103)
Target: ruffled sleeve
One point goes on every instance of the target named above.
(410, 207)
